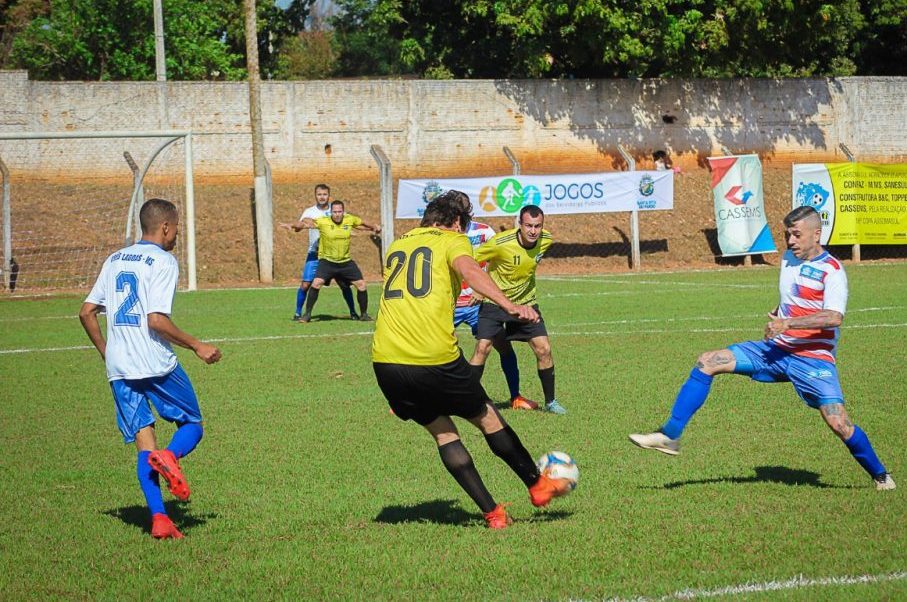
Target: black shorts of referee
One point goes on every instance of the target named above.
(425, 393)
(494, 321)
(347, 271)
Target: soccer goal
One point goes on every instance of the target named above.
(72, 198)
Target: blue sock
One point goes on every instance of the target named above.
(185, 439)
(690, 398)
(511, 373)
(347, 293)
(300, 300)
(861, 449)
(150, 484)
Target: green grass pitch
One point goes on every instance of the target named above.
(305, 487)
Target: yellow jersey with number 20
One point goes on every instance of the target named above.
(415, 314)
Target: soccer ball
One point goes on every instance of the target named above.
(559, 465)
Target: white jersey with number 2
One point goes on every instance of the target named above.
(134, 282)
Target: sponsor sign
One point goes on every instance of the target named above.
(501, 196)
(860, 203)
(739, 207)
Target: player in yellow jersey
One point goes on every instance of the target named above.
(513, 257)
(420, 368)
(334, 260)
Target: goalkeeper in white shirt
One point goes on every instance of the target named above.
(136, 287)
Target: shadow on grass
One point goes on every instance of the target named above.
(138, 516)
(764, 474)
(327, 318)
(442, 512)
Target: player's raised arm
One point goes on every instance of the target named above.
(304, 223)
(482, 283)
(88, 315)
(164, 326)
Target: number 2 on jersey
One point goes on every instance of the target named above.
(123, 317)
(396, 261)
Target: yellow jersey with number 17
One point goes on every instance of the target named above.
(334, 240)
(415, 314)
(512, 266)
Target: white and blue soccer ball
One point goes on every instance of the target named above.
(559, 465)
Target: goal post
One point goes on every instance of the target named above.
(80, 177)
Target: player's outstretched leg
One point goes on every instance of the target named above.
(161, 525)
(459, 464)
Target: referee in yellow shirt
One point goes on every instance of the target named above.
(334, 259)
(513, 257)
(420, 368)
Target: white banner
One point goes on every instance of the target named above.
(501, 196)
(739, 207)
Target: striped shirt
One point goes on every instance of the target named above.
(477, 233)
(806, 287)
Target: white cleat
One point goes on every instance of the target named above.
(657, 441)
(884, 482)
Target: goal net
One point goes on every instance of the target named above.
(70, 200)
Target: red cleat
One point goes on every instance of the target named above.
(163, 528)
(521, 403)
(546, 488)
(497, 518)
(168, 466)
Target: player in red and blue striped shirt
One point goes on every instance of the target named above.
(799, 347)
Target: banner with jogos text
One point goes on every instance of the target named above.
(739, 206)
(501, 196)
(859, 203)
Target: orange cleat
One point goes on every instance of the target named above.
(521, 403)
(163, 528)
(546, 488)
(497, 518)
(168, 466)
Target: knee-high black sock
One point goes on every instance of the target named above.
(311, 298)
(459, 464)
(547, 378)
(362, 298)
(507, 446)
(478, 371)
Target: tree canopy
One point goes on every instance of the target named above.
(114, 39)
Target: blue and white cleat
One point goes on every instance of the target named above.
(555, 408)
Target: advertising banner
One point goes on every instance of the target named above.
(739, 206)
(501, 196)
(860, 203)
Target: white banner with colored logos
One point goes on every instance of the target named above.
(501, 196)
(739, 207)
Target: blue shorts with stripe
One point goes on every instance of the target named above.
(310, 267)
(815, 381)
(171, 394)
(468, 314)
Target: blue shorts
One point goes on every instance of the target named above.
(815, 381)
(172, 396)
(468, 314)
(310, 267)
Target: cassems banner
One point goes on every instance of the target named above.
(739, 206)
(860, 203)
(501, 196)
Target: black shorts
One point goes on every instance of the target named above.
(424, 393)
(344, 272)
(494, 321)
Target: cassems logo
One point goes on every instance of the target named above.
(740, 209)
(735, 198)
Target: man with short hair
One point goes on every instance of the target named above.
(321, 208)
(136, 288)
(467, 312)
(799, 346)
(419, 366)
(334, 259)
(513, 257)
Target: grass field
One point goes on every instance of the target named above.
(305, 487)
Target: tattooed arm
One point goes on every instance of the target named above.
(826, 318)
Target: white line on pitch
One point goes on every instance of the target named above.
(711, 318)
(798, 582)
(699, 330)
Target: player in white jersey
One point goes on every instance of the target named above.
(799, 347)
(136, 288)
(467, 311)
(321, 208)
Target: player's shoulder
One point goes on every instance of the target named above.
(505, 237)
(829, 262)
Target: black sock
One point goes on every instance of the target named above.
(507, 446)
(478, 371)
(310, 299)
(362, 298)
(547, 378)
(459, 464)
